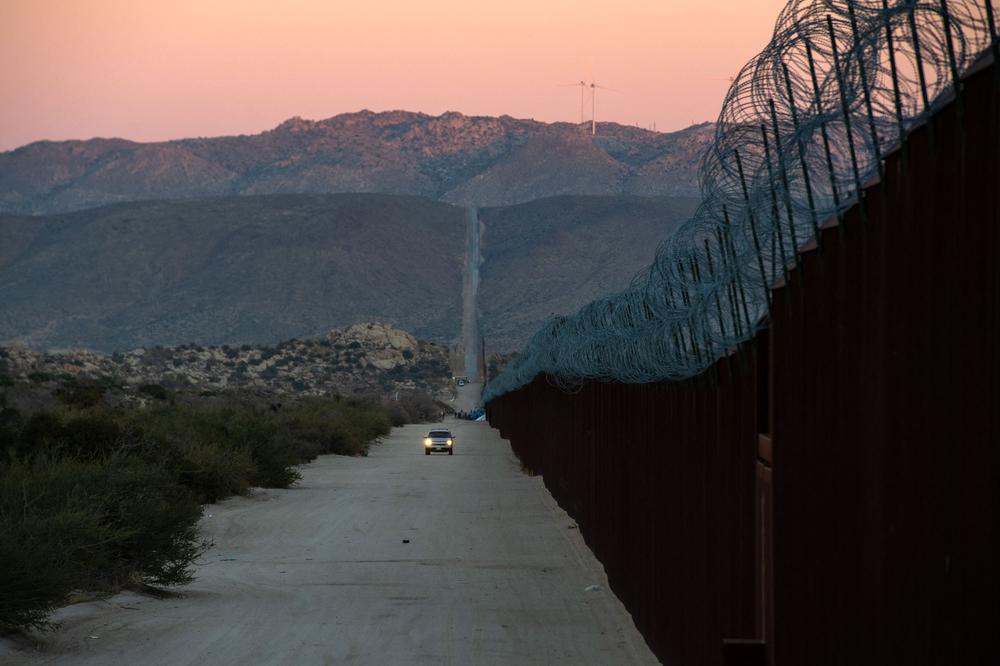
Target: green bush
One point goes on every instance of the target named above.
(39, 432)
(154, 391)
(215, 472)
(398, 414)
(414, 407)
(156, 524)
(81, 395)
(90, 434)
(69, 524)
(11, 423)
(224, 450)
(84, 434)
(274, 458)
(50, 525)
(342, 426)
(276, 461)
(195, 442)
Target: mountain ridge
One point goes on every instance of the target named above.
(465, 160)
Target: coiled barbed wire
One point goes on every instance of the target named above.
(803, 127)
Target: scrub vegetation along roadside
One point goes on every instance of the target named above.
(94, 499)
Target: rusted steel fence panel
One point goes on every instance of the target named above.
(887, 482)
(833, 486)
(660, 479)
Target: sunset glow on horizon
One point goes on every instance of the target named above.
(149, 71)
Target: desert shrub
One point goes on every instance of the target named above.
(346, 427)
(88, 434)
(222, 451)
(275, 462)
(196, 440)
(429, 369)
(398, 415)
(274, 458)
(40, 431)
(215, 472)
(154, 391)
(156, 525)
(11, 423)
(50, 524)
(75, 395)
(85, 434)
(417, 406)
(304, 448)
(69, 524)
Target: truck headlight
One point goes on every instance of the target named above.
(449, 442)
(427, 442)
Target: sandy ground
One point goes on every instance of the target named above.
(468, 397)
(470, 295)
(397, 558)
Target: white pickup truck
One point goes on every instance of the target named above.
(439, 440)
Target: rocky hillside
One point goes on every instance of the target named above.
(240, 270)
(255, 270)
(552, 256)
(481, 161)
(367, 358)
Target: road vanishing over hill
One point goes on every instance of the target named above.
(396, 558)
(470, 294)
(470, 396)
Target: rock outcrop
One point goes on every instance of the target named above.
(366, 358)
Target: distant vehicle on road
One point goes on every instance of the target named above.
(462, 381)
(439, 440)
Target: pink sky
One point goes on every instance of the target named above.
(159, 70)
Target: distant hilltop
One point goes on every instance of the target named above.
(467, 160)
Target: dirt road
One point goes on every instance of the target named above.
(468, 397)
(470, 296)
(397, 558)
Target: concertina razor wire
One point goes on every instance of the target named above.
(803, 127)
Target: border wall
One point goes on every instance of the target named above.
(828, 493)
